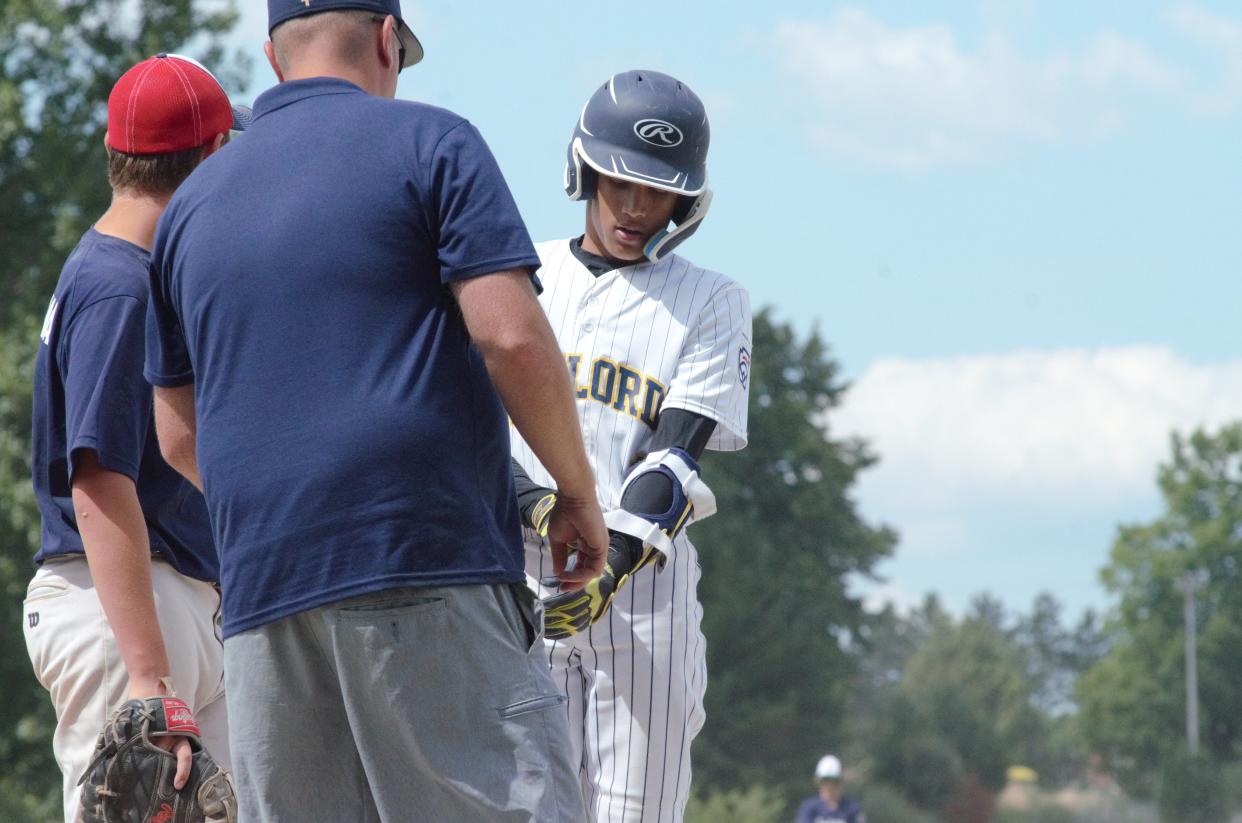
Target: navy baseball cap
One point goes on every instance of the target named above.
(243, 116)
(278, 11)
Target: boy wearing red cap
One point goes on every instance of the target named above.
(124, 601)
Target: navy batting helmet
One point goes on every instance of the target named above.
(648, 128)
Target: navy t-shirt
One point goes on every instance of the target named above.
(89, 393)
(815, 810)
(349, 437)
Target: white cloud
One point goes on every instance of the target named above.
(1074, 427)
(1221, 38)
(915, 96)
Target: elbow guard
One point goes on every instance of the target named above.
(691, 500)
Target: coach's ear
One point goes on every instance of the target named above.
(270, 51)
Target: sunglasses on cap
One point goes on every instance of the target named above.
(400, 43)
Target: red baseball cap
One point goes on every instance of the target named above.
(164, 104)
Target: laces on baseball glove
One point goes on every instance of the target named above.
(130, 778)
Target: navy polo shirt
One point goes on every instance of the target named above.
(349, 437)
(89, 394)
(815, 810)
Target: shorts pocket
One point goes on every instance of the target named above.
(528, 622)
(45, 589)
(394, 605)
(533, 704)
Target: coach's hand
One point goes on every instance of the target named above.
(568, 613)
(577, 523)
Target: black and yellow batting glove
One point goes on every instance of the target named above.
(540, 513)
(569, 613)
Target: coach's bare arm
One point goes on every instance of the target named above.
(176, 428)
(526, 365)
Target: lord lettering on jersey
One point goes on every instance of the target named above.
(618, 385)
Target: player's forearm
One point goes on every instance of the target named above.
(114, 533)
(534, 501)
(681, 429)
(176, 428)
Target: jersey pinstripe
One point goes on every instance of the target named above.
(638, 340)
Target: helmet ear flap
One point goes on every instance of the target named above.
(664, 242)
(685, 205)
(580, 178)
(590, 179)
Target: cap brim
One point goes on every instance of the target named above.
(413, 46)
(242, 116)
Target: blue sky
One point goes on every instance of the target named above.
(1015, 222)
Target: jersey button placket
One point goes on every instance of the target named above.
(588, 309)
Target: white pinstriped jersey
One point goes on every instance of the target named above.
(639, 340)
(650, 336)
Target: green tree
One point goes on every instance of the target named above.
(884, 804)
(1056, 656)
(1133, 699)
(886, 642)
(1192, 790)
(777, 560)
(962, 714)
(753, 805)
(58, 61)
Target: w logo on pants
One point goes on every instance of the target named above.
(33, 619)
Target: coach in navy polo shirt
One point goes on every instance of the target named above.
(338, 309)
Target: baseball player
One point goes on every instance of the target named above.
(659, 350)
(123, 603)
(830, 805)
(343, 310)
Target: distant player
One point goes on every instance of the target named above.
(660, 351)
(829, 805)
(123, 604)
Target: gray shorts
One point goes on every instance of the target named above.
(412, 704)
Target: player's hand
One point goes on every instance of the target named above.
(178, 745)
(568, 613)
(577, 524)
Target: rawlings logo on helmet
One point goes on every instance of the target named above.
(658, 133)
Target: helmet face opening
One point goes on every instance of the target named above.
(648, 128)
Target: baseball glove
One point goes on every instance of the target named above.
(130, 779)
(568, 613)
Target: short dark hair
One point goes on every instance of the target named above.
(151, 174)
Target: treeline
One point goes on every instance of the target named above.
(932, 711)
(937, 708)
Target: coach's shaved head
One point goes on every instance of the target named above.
(355, 44)
(345, 35)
